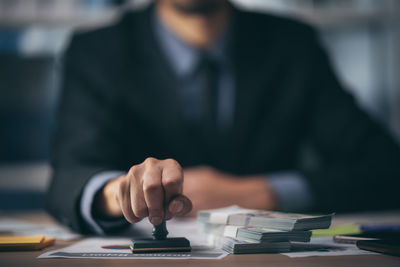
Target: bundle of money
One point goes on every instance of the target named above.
(291, 221)
(273, 235)
(235, 246)
(235, 215)
(239, 230)
(256, 234)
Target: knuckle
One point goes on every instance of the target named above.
(172, 182)
(173, 163)
(150, 161)
(150, 187)
(133, 170)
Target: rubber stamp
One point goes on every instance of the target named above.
(160, 242)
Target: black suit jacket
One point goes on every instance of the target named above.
(120, 105)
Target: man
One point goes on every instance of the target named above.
(193, 104)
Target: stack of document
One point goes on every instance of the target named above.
(240, 230)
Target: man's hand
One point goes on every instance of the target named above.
(153, 189)
(208, 188)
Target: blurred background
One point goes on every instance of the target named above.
(361, 36)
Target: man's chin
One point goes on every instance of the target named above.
(198, 7)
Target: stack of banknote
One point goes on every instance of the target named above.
(235, 246)
(240, 230)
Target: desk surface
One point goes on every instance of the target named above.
(29, 258)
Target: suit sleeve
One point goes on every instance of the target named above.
(86, 139)
(360, 167)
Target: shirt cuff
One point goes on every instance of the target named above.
(292, 191)
(95, 184)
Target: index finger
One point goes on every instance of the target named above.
(154, 195)
(172, 179)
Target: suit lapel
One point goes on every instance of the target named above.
(250, 64)
(159, 87)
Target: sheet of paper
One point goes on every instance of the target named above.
(189, 228)
(324, 246)
(12, 226)
(93, 248)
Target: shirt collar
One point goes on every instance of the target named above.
(184, 57)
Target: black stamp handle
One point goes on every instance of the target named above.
(160, 231)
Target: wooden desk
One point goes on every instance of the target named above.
(8, 259)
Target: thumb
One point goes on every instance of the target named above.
(179, 205)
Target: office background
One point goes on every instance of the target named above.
(362, 38)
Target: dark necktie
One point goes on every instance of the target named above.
(203, 132)
(209, 102)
